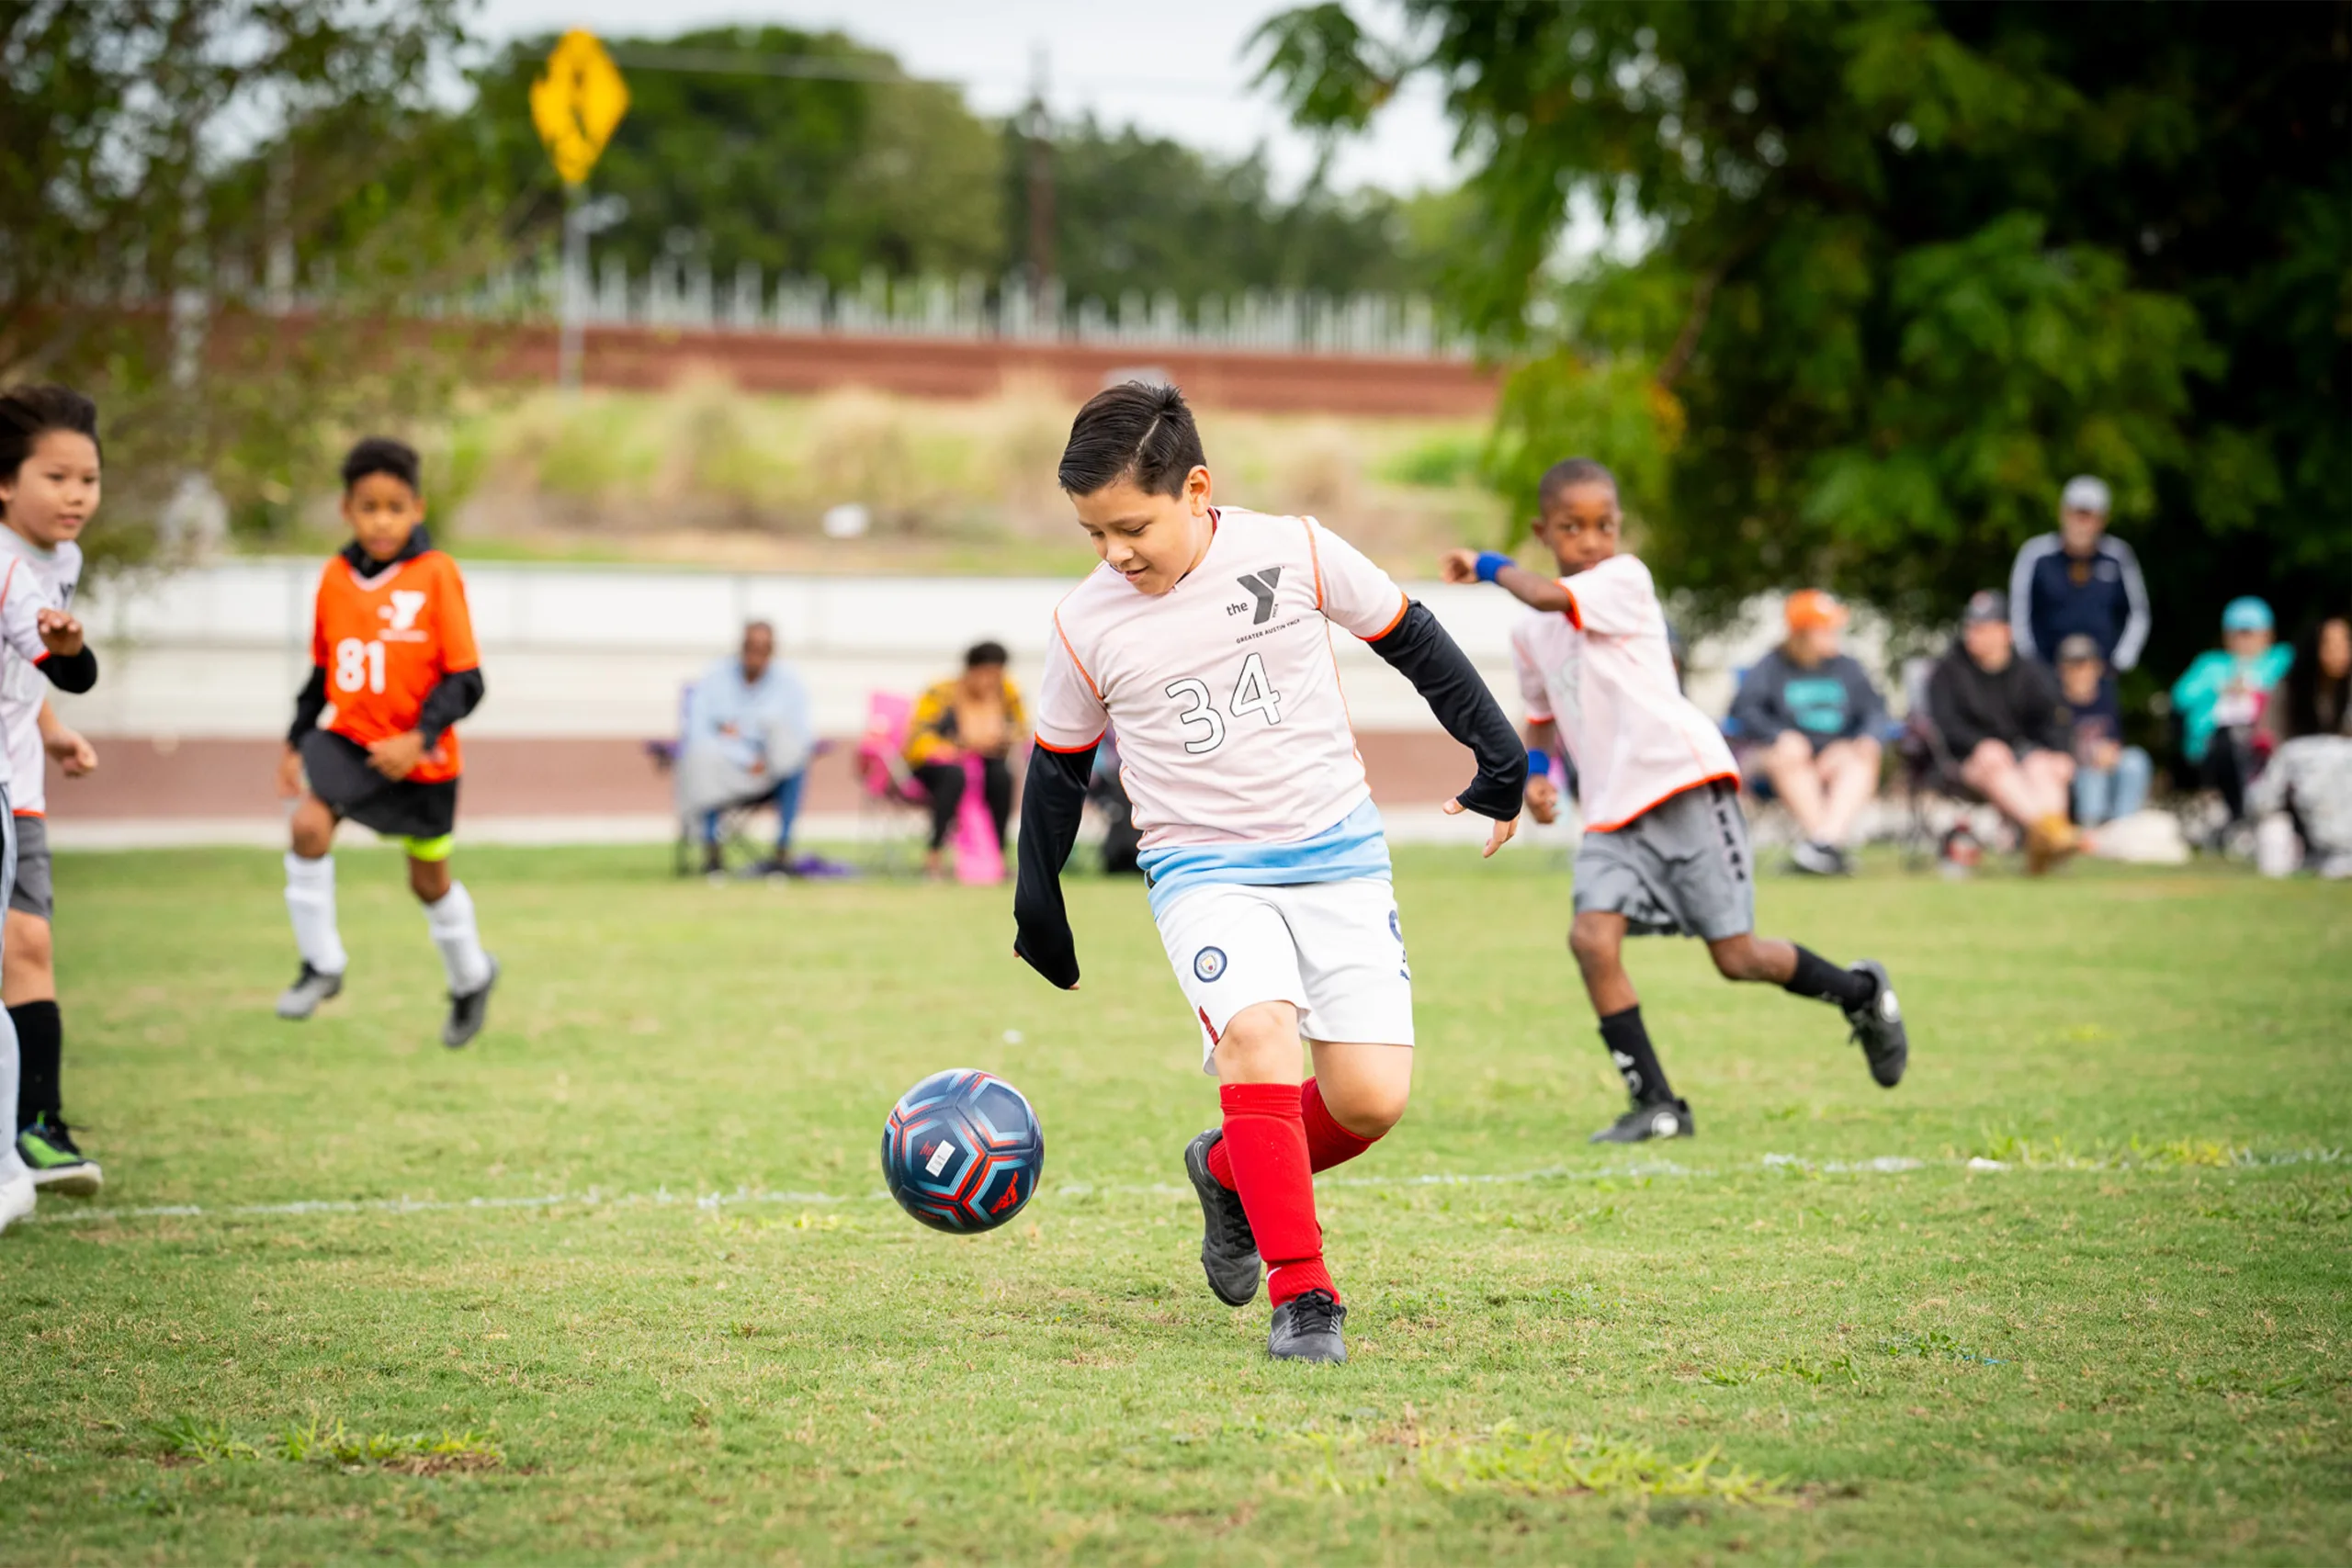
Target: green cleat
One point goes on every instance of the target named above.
(57, 1166)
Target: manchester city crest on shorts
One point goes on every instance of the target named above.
(1208, 963)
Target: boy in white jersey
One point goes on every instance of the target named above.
(48, 487)
(1665, 847)
(1205, 636)
(41, 541)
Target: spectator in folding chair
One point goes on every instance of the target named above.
(977, 715)
(1808, 718)
(748, 739)
(2221, 699)
(2006, 726)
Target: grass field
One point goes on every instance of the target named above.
(1828, 1330)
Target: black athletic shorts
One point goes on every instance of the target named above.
(398, 808)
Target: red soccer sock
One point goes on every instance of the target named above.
(1328, 1143)
(1266, 1131)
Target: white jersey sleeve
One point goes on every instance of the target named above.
(1528, 666)
(23, 596)
(1070, 714)
(1615, 598)
(1351, 592)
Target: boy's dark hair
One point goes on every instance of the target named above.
(1567, 473)
(382, 455)
(1136, 431)
(28, 414)
(982, 654)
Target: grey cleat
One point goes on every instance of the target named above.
(1667, 1119)
(469, 1012)
(310, 989)
(1228, 1249)
(1878, 1027)
(1306, 1328)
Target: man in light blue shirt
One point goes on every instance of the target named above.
(749, 737)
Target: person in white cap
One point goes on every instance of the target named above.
(2080, 580)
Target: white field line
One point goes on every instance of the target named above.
(1885, 1165)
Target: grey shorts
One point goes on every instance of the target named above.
(1681, 868)
(32, 893)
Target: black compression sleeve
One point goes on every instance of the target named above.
(457, 694)
(1438, 669)
(72, 672)
(309, 703)
(1051, 803)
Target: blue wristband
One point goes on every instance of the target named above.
(1490, 562)
(1538, 763)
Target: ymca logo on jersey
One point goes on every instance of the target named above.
(1260, 584)
(401, 616)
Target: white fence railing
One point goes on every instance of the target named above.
(686, 294)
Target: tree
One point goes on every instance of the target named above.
(724, 161)
(1141, 212)
(169, 165)
(1908, 266)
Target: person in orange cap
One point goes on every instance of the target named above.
(1807, 718)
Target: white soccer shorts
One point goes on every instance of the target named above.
(1333, 950)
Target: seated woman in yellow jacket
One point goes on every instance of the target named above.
(977, 714)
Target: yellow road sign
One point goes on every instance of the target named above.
(577, 104)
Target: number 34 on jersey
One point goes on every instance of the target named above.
(1205, 726)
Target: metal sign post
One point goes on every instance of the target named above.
(576, 106)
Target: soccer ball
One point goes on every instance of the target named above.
(963, 1151)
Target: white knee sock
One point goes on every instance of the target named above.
(12, 1164)
(452, 921)
(309, 901)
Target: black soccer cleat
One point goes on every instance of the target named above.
(469, 1012)
(1665, 1118)
(1306, 1328)
(1228, 1248)
(311, 987)
(1878, 1027)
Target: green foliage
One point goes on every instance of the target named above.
(1902, 268)
(165, 151)
(1141, 212)
(818, 176)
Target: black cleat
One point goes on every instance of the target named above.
(469, 1012)
(1667, 1119)
(1878, 1027)
(311, 987)
(1306, 1328)
(1228, 1248)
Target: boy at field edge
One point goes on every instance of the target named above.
(393, 649)
(49, 469)
(53, 497)
(1665, 849)
(1205, 636)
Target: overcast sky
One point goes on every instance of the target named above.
(1177, 70)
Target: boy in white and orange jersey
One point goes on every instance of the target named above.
(393, 669)
(1665, 849)
(1205, 636)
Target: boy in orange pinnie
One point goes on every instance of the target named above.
(393, 651)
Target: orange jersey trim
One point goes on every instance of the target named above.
(29, 813)
(1404, 609)
(1076, 662)
(1314, 559)
(1576, 616)
(1661, 800)
(1066, 751)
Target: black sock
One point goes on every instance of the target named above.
(1629, 1048)
(40, 1041)
(1817, 976)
